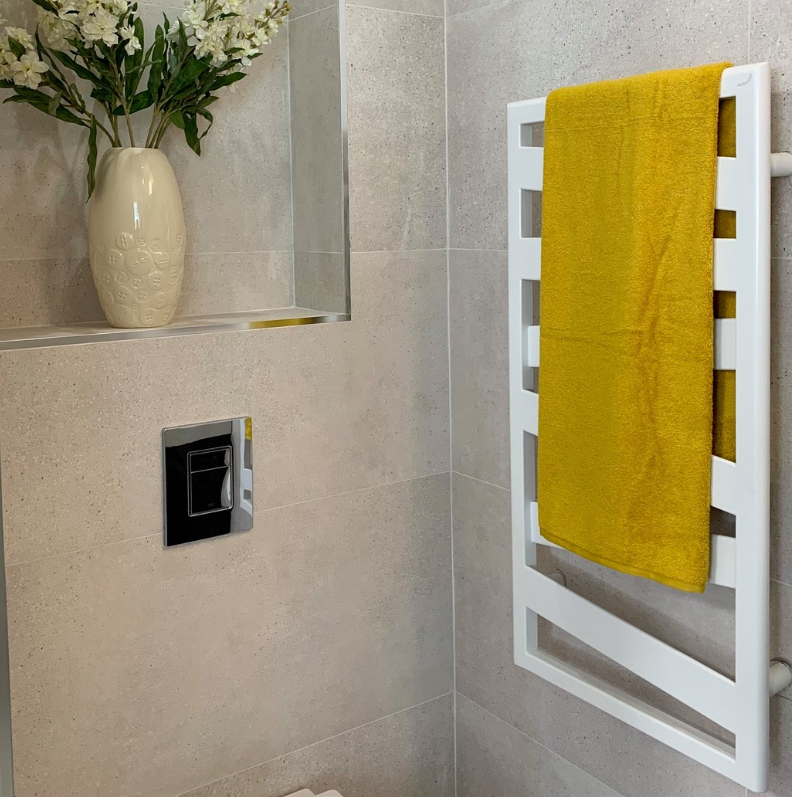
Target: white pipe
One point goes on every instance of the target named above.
(780, 676)
(780, 164)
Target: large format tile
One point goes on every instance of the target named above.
(769, 21)
(781, 625)
(479, 365)
(409, 753)
(315, 97)
(237, 194)
(234, 282)
(320, 281)
(781, 412)
(42, 292)
(432, 8)
(526, 49)
(140, 671)
(621, 757)
(494, 57)
(494, 759)
(397, 176)
(335, 407)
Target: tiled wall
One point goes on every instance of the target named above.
(517, 734)
(315, 650)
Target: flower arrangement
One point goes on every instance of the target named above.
(100, 45)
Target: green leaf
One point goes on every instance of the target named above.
(54, 103)
(67, 116)
(6, 84)
(157, 62)
(140, 101)
(189, 74)
(177, 119)
(92, 157)
(78, 69)
(133, 62)
(105, 96)
(226, 80)
(41, 102)
(209, 118)
(16, 48)
(191, 133)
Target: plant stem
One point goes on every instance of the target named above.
(162, 132)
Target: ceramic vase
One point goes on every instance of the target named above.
(136, 238)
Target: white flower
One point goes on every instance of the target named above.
(54, 30)
(100, 26)
(128, 35)
(20, 35)
(194, 17)
(28, 70)
(6, 59)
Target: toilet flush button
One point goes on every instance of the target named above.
(211, 480)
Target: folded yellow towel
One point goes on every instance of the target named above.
(625, 414)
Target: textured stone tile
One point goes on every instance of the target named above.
(315, 96)
(237, 195)
(525, 49)
(495, 759)
(320, 281)
(432, 8)
(411, 752)
(138, 670)
(494, 58)
(621, 757)
(479, 365)
(780, 412)
(769, 21)
(236, 282)
(335, 407)
(302, 7)
(42, 292)
(780, 748)
(781, 625)
(396, 130)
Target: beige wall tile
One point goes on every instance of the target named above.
(237, 195)
(138, 670)
(621, 757)
(494, 759)
(781, 626)
(432, 8)
(41, 292)
(319, 281)
(770, 19)
(479, 365)
(781, 412)
(233, 282)
(396, 130)
(409, 753)
(335, 407)
(315, 95)
(526, 49)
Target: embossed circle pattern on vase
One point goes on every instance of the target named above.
(137, 238)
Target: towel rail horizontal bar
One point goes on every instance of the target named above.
(723, 551)
(706, 691)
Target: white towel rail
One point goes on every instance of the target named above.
(741, 264)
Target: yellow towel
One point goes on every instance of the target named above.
(625, 414)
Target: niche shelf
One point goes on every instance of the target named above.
(102, 332)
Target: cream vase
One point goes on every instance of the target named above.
(136, 238)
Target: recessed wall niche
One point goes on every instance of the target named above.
(265, 205)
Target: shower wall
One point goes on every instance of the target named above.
(516, 734)
(315, 650)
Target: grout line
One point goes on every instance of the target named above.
(395, 11)
(781, 581)
(260, 512)
(539, 744)
(311, 13)
(478, 9)
(463, 249)
(481, 481)
(394, 251)
(450, 397)
(314, 744)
